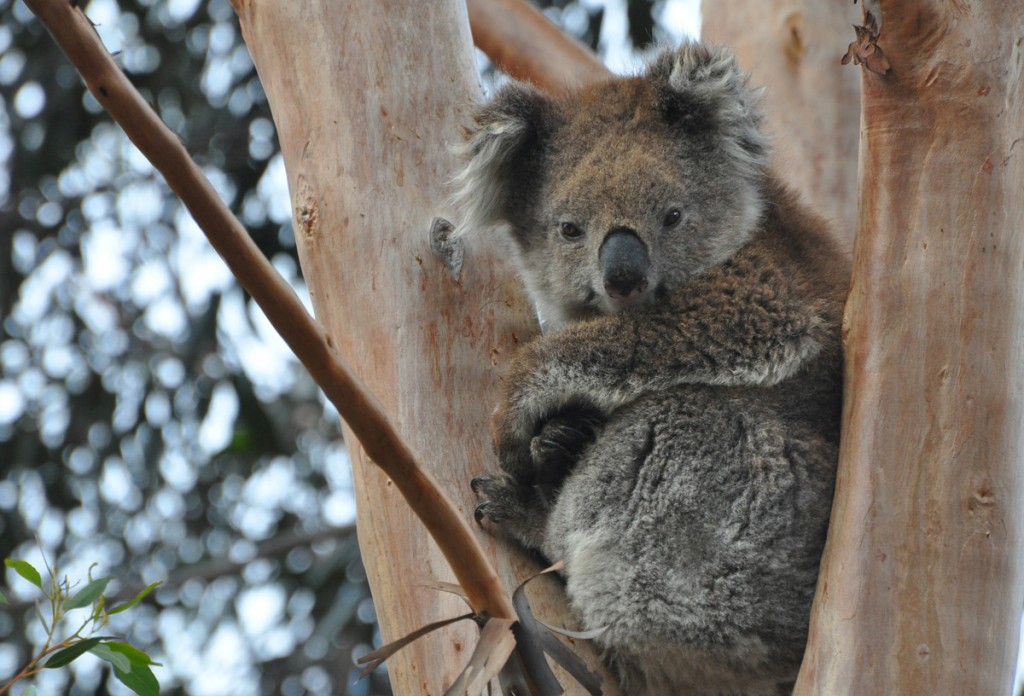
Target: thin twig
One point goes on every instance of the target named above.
(74, 33)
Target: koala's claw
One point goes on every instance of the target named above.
(480, 513)
(478, 482)
(508, 507)
(489, 490)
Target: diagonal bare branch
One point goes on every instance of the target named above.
(73, 31)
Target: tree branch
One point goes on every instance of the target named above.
(921, 581)
(520, 40)
(74, 33)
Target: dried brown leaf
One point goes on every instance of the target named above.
(865, 49)
(533, 641)
(449, 587)
(529, 639)
(496, 645)
(578, 635)
(374, 659)
(572, 663)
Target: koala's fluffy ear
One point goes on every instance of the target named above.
(501, 153)
(702, 88)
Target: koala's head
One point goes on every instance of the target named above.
(623, 190)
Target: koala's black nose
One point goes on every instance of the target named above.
(624, 263)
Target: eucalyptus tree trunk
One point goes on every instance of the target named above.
(368, 97)
(921, 587)
(812, 102)
(921, 584)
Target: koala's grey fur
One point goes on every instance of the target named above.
(672, 437)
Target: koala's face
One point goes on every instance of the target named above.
(624, 190)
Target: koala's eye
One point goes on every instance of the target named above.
(672, 217)
(570, 231)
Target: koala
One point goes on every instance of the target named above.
(673, 433)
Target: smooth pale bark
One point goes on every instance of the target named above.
(521, 41)
(921, 584)
(367, 103)
(812, 103)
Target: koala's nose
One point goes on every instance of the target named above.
(624, 263)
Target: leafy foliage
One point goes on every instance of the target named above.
(131, 665)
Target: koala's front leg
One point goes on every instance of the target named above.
(518, 504)
(541, 450)
(738, 325)
(558, 447)
(553, 404)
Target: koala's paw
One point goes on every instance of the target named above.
(561, 442)
(510, 508)
(544, 452)
(500, 499)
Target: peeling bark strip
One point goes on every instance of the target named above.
(865, 50)
(921, 584)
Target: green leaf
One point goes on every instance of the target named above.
(140, 680)
(115, 658)
(30, 691)
(241, 441)
(25, 570)
(136, 599)
(87, 595)
(3, 597)
(134, 654)
(70, 653)
(137, 676)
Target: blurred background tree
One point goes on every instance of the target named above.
(150, 420)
